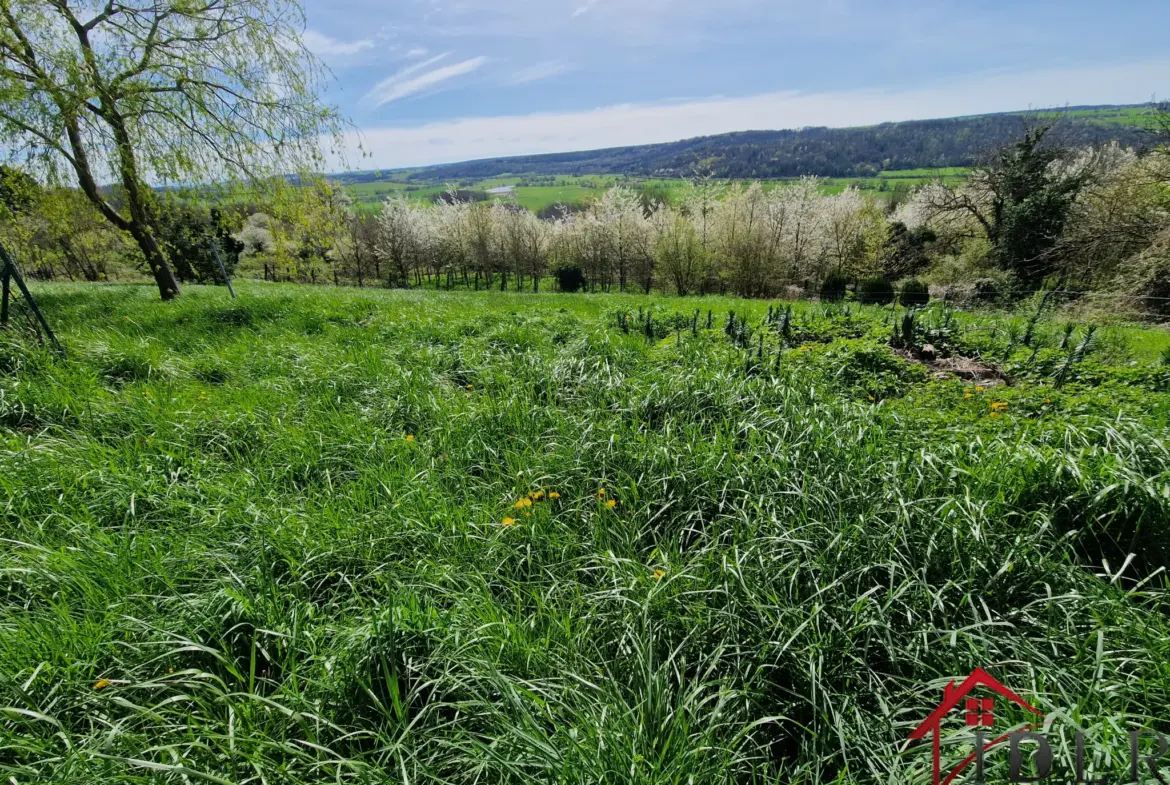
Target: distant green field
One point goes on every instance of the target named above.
(1133, 115)
(568, 189)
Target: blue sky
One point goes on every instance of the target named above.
(430, 81)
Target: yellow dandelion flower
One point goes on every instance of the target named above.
(871, 398)
(101, 684)
(601, 491)
(968, 395)
(553, 495)
(410, 437)
(995, 414)
(508, 521)
(979, 388)
(537, 496)
(471, 386)
(658, 574)
(611, 503)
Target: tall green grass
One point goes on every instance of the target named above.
(264, 541)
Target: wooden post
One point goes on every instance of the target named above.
(7, 276)
(10, 270)
(222, 271)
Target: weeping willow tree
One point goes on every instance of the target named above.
(135, 93)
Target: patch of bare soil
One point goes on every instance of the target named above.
(958, 367)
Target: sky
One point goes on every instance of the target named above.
(436, 81)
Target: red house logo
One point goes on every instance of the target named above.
(978, 713)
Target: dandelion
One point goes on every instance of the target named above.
(806, 348)
(471, 386)
(537, 495)
(979, 388)
(871, 398)
(101, 684)
(968, 395)
(994, 414)
(601, 491)
(522, 503)
(553, 495)
(410, 437)
(508, 521)
(658, 574)
(999, 406)
(611, 503)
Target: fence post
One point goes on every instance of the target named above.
(222, 271)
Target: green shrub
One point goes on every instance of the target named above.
(833, 287)
(875, 291)
(914, 293)
(987, 290)
(570, 279)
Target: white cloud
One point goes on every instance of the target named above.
(327, 46)
(630, 124)
(418, 51)
(584, 9)
(543, 70)
(404, 82)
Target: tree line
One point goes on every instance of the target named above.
(1034, 214)
(824, 152)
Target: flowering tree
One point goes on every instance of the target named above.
(1020, 202)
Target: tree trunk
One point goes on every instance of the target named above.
(168, 285)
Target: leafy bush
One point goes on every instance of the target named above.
(570, 279)
(875, 291)
(986, 290)
(191, 236)
(914, 293)
(833, 287)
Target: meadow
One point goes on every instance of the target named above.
(334, 535)
(570, 189)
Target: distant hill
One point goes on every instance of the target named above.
(826, 152)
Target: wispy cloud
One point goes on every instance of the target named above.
(418, 51)
(327, 46)
(584, 9)
(543, 70)
(628, 124)
(406, 82)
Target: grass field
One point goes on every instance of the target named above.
(368, 536)
(571, 189)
